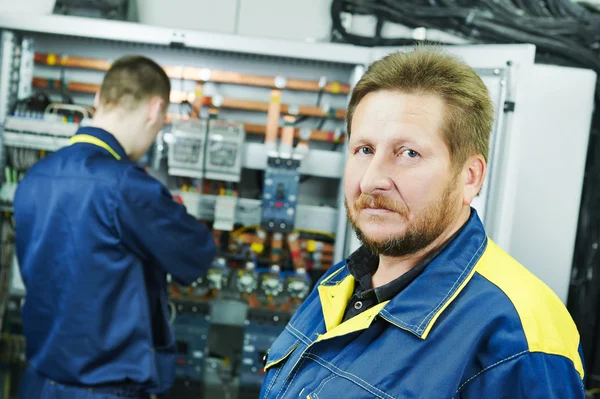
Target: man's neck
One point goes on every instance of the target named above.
(116, 124)
(390, 268)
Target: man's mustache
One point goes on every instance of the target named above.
(379, 202)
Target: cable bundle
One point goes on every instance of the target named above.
(563, 31)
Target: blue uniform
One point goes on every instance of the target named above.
(474, 324)
(95, 238)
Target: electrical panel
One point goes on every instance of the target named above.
(261, 331)
(224, 152)
(191, 325)
(280, 194)
(230, 169)
(186, 148)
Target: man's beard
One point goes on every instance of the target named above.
(427, 226)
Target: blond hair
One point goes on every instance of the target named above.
(133, 79)
(469, 113)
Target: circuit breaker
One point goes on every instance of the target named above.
(280, 194)
(225, 142)
(186, 148)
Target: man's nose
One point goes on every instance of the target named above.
(377, 177)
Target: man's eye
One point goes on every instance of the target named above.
(365, 150)
(410, 153)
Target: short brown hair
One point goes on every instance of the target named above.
(133, 79)
(469, 115)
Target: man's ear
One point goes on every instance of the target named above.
(475, 170)
(97, 100)
(156, 109)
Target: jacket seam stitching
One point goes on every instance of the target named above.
(411, 326)
(323, 383)
(299, 366)
(491, 367)
(298, 334)
(272, 384)
(329, 281)
(454, 287)
(289, 349)
(357, 380)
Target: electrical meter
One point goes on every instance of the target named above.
(186, 148)
(225, 142)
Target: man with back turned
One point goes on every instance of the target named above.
(96, 237)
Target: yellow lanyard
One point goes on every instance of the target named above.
(84, 138)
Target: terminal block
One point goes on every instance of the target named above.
(42, 132)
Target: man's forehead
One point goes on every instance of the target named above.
(405, 127)
(395, 107)
(394, 135)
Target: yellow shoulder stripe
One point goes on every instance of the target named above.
(84, 138)
(547, 325)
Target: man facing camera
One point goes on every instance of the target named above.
(429, 306)
(96, 237)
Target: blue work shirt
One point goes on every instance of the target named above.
(475, 324)
(95, 238)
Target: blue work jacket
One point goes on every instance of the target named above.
(96, 237)
(474, 324)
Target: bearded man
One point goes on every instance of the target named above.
(429, 306)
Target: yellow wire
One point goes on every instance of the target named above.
(242, 229)
(320, 233)
(593, 391)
